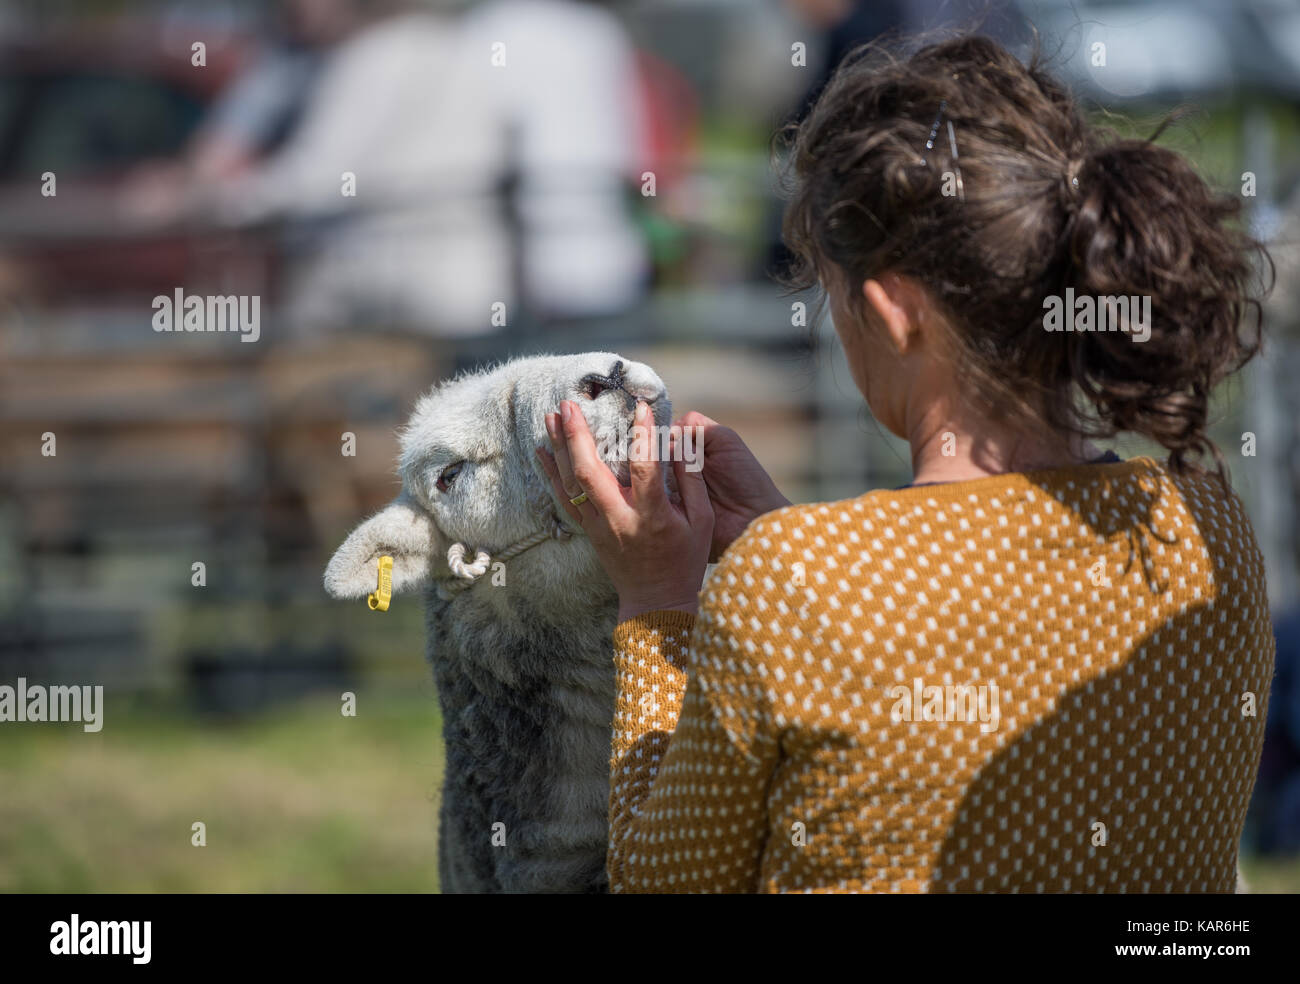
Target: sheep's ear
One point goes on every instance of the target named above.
(404, 531)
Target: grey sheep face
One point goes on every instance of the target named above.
(469, 472)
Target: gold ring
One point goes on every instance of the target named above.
(579, 499)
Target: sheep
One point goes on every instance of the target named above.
(519, 638)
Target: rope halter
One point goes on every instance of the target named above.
(466, 574)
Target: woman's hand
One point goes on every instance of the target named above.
(739, 490)
(655, 550)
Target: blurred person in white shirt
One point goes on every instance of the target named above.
(423, 112)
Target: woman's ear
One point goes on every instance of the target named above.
(895, 301)
(403, 530)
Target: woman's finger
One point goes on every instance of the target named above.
(570, 486)
(547, 460)
(646, 469)
(589, 472)
(691, 487)
(693, 418)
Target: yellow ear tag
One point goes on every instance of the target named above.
(383, 593)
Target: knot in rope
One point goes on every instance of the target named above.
(466, 574)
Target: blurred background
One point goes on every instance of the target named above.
(410, 188)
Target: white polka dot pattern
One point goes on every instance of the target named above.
(1114, 615)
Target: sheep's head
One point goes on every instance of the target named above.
(468, 468)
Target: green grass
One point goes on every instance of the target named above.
(1267, 876)
(300, 799)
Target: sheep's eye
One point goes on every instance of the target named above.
(593, 389)
(449, 475)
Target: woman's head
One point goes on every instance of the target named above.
(952, 201)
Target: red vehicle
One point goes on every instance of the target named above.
(95, 109)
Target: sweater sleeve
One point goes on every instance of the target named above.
(691, 761)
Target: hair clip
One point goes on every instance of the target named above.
(934, 130)
(1071, 176)
(952, 143)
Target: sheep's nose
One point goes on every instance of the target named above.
(650, 394)
(641, 383)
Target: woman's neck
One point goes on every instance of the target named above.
(950, 451)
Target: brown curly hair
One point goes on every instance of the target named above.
(1139, 220)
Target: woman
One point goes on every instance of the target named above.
(1038, 667)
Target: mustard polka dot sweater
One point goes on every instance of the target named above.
(1045, 682)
